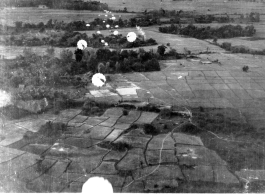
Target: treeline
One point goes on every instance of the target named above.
(57, 4)
(89, 5)
(52, 24)
(70, 39)
(211, 18)
(226, 31)
(252, 17)
(97, 24)
(177, 16)
(240, 49)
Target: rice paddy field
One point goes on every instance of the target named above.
(221, 138)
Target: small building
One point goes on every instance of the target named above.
(43, 7)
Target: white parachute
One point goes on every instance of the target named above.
(131, 36)
(98, 80)
(81, 44)
(116, 32)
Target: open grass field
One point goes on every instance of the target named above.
(215, 6)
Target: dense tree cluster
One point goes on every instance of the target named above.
(252, 17)
(52, 24)
(169, 13)
(97, 24)
(211, 18)
(88, 5)
(176, 16)
(40, 75)
(100, 24)
(240, 49)
(70, 39)
(226, 31)
(32, 69)
(124, 10)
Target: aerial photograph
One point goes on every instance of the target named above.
(132, 96)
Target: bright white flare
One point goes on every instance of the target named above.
(107, 25)
(97, 185)
(98, 32)
(87, 24)
(113, 18)
(98, 80)
(5, 99)
(131, 36)
(81, 44)
(106, 15)
(115, 32)
(106, 44)
(102, 41)
(117, 26)
(104, 21)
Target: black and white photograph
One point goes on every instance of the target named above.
(132, 96)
